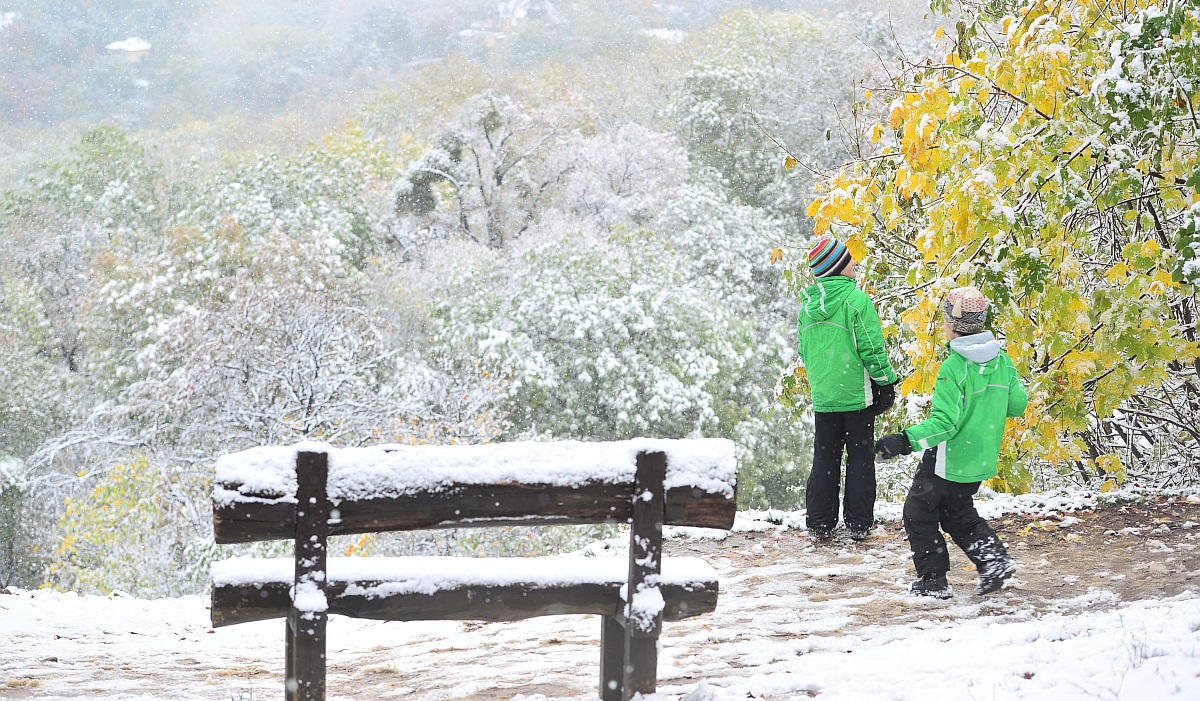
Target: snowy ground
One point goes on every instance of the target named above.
(794, 622)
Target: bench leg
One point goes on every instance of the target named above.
(645, 565)
(641, 666)
(289, 673)
(307, 627)
(307, 678)
(612, 659)
(628, 665)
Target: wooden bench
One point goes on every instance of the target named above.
(310, 491)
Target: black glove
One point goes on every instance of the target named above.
(893, 444)
(885, 397)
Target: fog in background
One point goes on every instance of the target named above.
(244, 65)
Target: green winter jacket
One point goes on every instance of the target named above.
(977, 388)
(841, 345)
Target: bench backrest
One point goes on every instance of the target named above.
(391, 488)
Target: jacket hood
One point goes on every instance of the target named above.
(823, 298)
(981, 348)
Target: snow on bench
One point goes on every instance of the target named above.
(309, 491)
(268, 473)
(457, 588)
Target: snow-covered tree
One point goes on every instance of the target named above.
(720, 247)
(762, 76)
(317, 194)
(599, 340)
(108, 179)
(622, 178)
(489, 176)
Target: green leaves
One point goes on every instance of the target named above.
(1187, 247)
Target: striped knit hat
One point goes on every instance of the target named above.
(965, 310)
(828, 257)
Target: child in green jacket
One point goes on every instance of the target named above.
(977, 388)
(841, 346)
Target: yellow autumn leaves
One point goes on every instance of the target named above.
(842, 201)
(125, 506)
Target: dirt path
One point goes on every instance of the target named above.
(1068, 563)
(777, 585)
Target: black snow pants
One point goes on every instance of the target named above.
(935, 504)
(852, 432)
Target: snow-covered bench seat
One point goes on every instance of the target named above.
(457, 588)
(309, 491)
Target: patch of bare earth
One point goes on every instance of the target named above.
(779, 585)
(1083, 560)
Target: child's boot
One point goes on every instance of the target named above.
(820, 535)
(858, 534)
(933, 585)
(993, 574)
(991, 561)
